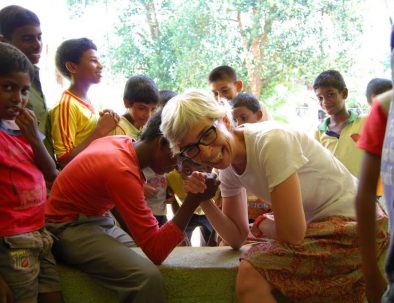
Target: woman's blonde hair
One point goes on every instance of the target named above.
(185, 110)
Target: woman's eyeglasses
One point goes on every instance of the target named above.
(207, 138)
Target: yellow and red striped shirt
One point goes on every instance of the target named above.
(72, 121)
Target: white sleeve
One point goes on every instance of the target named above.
(229, 183)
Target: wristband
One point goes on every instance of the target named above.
(257, 222)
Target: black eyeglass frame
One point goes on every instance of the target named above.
(184, 152)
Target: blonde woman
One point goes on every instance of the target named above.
(309, 250)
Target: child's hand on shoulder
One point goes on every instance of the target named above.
(107, 122)
(111, 112)
(27, 123)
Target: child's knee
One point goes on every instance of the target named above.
(152, 277)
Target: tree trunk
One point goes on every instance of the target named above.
(151, 18)
(254, 50)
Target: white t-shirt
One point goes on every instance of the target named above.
(275, 152)
(158, 202)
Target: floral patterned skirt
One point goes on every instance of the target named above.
(325, 267)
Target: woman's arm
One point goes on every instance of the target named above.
(290, 224)
(231, 222)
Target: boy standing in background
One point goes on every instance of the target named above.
(224, 84)
(340, 131)
(246, 109)
(377, 86)
(21, 28)
(141, 97)
(74, 124)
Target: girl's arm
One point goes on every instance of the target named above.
(28, 125)
(289, 224)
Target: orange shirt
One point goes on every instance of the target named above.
(22, 186)
(106, 175)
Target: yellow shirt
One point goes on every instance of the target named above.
(125, 127)
(344, 148)
(72, 121)
(175, 183)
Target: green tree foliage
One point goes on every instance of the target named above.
(269, 43)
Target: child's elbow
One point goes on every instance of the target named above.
(157, 260)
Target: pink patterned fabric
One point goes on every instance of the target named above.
(325, 267)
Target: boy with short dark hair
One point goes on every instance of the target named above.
(224, 83)
(340, 131)
(74, 124)
(165, 95)
(377, 86)
(27, 267)
(21, 28)
(246, 109)
(140, 97)
(108, 174)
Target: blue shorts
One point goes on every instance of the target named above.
(27, 264)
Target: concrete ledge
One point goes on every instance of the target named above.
(191, 275)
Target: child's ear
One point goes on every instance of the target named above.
(345, 93)
(126, 103)
(71, 67)
(238, 85)
(259, 115)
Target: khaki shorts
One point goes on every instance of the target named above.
(27, 265)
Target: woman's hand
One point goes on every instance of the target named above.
(211, 185)
(195, 183)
